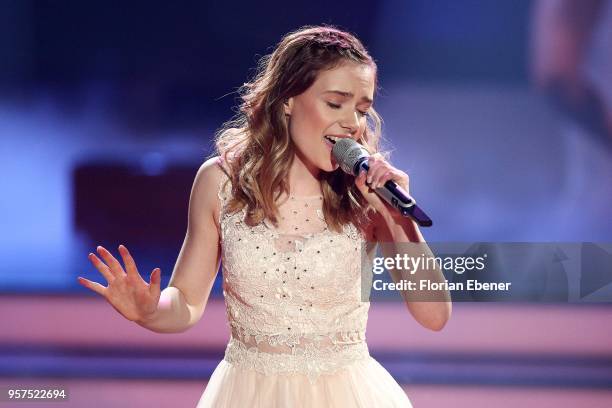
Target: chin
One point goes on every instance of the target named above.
(323, 162)
(329, 166)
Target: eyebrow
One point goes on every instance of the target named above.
(349, 94)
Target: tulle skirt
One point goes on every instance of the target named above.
(362, 384)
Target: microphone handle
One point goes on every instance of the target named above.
(397, 198)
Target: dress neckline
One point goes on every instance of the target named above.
(308, 197)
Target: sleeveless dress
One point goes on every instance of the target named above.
(294, 306)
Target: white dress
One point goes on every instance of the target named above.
(297, 319)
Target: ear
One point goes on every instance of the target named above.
(288, 106)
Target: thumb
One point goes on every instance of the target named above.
(155, 280)
(367, 193)
(360, 179)
(360, 182)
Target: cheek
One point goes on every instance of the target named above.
(307, 124)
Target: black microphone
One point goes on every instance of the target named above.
(352, 158)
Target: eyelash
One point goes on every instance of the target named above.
(335, 106)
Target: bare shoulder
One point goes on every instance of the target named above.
(210, 175)
(213, 168)
(206, 185)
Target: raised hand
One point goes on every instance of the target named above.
(379, 173)
(127, 292)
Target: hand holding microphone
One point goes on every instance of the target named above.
(353, 159)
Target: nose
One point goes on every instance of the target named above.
(351, 123)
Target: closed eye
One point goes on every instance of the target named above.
(336, 106)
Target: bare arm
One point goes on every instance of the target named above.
(401, 236)
(182, 303)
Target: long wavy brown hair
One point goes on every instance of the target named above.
(255, 145)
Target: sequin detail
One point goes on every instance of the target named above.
(293, 297)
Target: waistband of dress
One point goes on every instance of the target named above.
(310, 359)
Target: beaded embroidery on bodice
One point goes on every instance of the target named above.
(292, 292)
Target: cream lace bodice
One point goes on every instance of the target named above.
(292, 292)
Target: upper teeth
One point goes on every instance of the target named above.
(333, 138)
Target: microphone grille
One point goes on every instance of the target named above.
(348, 153)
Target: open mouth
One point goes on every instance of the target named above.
(330, 141)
